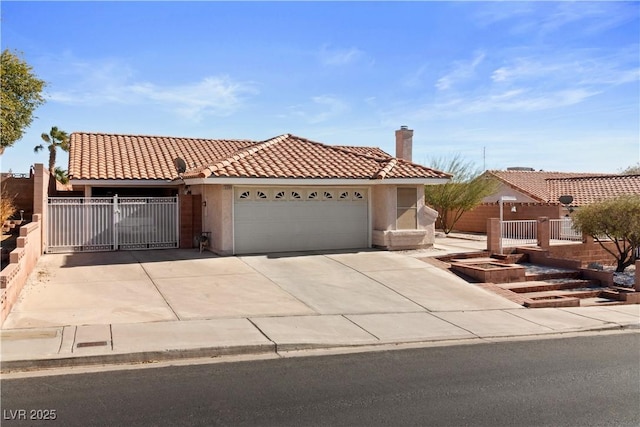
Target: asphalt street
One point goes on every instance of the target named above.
(589, 380)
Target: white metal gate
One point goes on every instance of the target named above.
(91, 224)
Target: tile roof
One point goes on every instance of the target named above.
(122, 157)
(290, 156)
(586, 188)
(112, 156)
(533, 183)
(594, 189)
(367, 151)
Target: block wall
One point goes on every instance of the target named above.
(475, 221)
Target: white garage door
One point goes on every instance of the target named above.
(299, 219)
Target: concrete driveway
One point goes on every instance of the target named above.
(168, 285)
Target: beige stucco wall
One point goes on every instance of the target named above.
(384, 212)
(217, 215)
(505, 190)
(218, 218)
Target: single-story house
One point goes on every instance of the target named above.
(286, 193)
(537, 194)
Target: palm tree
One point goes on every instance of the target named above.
(56, 138)
(61, 175)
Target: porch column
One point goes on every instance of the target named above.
(543, 231)
(493, 235)
(40, 201)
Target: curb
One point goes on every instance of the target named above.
(149, 357)
(139, 357)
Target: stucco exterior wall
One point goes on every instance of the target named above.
(475, 220)
(384, 212)
(217, 216)
(505, 190)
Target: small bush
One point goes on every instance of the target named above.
(7, 207)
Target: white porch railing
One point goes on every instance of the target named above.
(519, 233)
(562, 229)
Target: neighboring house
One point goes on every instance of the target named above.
(537, 194)
(283, 194)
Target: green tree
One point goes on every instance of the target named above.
(61, 175)
(617, 220)
(632, 170)
(55, 139)
(463, 192)
(21, 94)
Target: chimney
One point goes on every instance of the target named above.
(404, 143)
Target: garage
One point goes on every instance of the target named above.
(268, 219)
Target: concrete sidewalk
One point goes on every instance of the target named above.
(132, 307)
(24, 349)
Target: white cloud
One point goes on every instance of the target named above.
(212, 96)
(547, 18)
(572, 69)
(461, 71)
(320, 109)
(339, 56)
(111, 82)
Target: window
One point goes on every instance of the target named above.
(245, 195)
(357, 195)
(280, 195)
(344, 195)
(313, 195)
(295, 195)
(327, 195)
(407, 209)
(261, 194)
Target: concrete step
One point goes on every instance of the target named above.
(473, 260)
(575, 293)
(549, 285)
(537, 277)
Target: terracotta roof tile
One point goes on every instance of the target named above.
(534, 183)
(290, 156)
(367, 151)
(109, 156)
(594, 189)
(585, 188)
(113, 156)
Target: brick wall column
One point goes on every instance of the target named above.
(186, 221)
(543, 232)
(493, 235)
(40, 200)
(190, 219)
(636, 285)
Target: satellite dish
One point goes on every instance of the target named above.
(565, 200)
(181, 166)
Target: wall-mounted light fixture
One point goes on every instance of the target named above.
(514, 209)
(204, 203)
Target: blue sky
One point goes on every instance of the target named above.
(553, 86)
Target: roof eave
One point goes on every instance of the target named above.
(315, 181)
(126, 182)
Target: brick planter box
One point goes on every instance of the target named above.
(491, 272)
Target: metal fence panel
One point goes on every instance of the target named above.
(80, 224)
(147, 222)
(562, 229)
(519, 233)
(109, 223)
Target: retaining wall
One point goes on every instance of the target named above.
(22, 261)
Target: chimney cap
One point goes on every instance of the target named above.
(404, 127)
